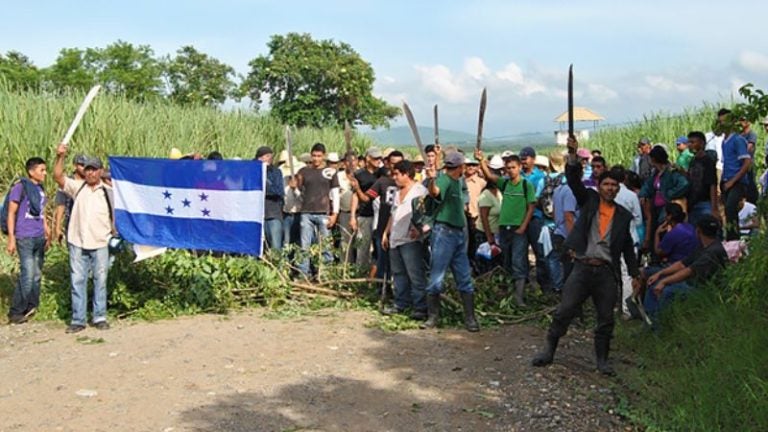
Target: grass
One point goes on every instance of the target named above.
(32, 123)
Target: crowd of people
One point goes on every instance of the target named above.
(626, 237)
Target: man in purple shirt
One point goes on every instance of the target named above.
(28, 234)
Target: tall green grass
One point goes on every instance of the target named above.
(619, 144)
(706, 370)
(32, 123)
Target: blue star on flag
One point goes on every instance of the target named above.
(167, 195)
(169, 210)
(186, 202)
(206, 212)
(203, 197)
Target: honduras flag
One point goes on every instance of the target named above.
(190, 204)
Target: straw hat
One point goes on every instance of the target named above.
(541, 161)
(557, 160)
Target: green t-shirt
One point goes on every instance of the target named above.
(489, 199)
(684, 159)
(452, 211)
(515, 200)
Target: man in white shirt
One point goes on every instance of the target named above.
(406, 253)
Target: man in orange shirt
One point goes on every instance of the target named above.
(599, 238)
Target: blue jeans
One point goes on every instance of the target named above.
(542, 268)
(273, 231)
(291, 229)
(83, 262)
(698, 210)
(314, 226)
(409, 274)
(653, 303)
(27, 293)
(449, 249)
(555, 269)
(382, 258)
(514, 248)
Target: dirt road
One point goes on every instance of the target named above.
(318, 373)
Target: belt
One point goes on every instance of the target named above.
(447, 225)
(593, 262)
(509, 227)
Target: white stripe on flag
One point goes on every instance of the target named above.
(222, 205)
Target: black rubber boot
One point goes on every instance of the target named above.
(468, 301)
(548, 355)
(602, 346)
(433, 311)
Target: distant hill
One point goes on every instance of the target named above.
(401, 137)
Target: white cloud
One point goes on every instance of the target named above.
(441, 81)
(601, 93)
(513, 74)
(475, 68)
(753, 61)
(666, 84)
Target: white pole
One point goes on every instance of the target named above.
(80, 113)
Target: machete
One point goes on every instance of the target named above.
(437, 129)
(80, 113)
(481, 118)
(348, 142)
(571, 150)
(288, 148)
(414, 129)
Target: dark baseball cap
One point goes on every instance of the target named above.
(80, 159)
(527, 152)
(263, 150)
(453, 160)
(93, 162)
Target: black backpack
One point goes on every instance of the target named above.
(4, 208)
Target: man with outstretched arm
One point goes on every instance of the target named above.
(90, 227)
(449, 242)
(597, 242)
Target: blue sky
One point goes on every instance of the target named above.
(629, 59)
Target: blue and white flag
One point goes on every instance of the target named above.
(190, 204)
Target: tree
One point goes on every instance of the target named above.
(316, 83)
(120, 68)
(71, 70)
(18, 71)
(195, 78)
(132, 71)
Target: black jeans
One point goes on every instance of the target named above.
(558, 243)
(731, 197)
(598, 282)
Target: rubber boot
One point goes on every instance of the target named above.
(468, 301)
(602, 346)
(433, 312)
(520, 292)
(548, 355)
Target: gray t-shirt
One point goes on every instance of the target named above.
(316, 189)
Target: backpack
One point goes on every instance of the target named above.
(546, 201)
(4, 208)
(424, 211)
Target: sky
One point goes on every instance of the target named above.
(630, 58)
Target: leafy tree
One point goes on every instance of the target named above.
(127, 69)
(316, 83)
(18, 71)
(120, 67)
(195, 78)
(71, 70)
